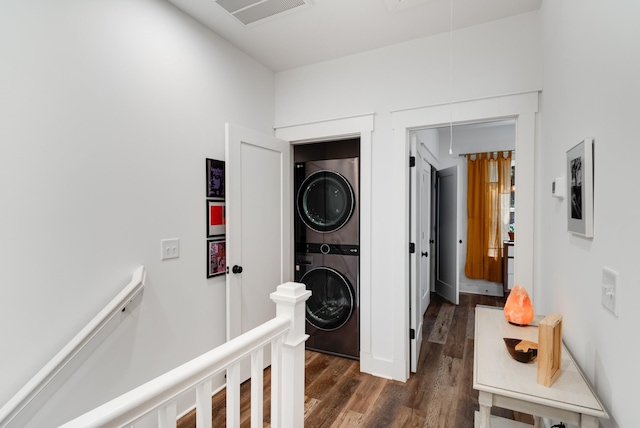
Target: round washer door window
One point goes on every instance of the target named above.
(325, 201)
(332, 300)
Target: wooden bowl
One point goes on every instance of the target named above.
(520, 350)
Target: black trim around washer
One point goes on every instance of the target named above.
(332, 300)
(318, 221)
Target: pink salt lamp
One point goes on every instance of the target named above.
(518, 309)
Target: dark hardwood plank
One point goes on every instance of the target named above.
(442, 406)
(348, 419)
(366, 394)
(386, 407)
(420, 384)
(467, 396)
(457, 333)
(408, 417)
(442, 325)
(332, 405)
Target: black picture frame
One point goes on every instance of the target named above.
(216, 218)
(216, 257)
(215, 178)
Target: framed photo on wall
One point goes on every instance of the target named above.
(216, 257)
(580, 188)
(216, 218)
(215, 179)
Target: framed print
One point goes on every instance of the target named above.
(216, 218)
(215, 179)
(216, 257)
(580, 188)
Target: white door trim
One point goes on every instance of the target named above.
(523, 107)
(362, 126)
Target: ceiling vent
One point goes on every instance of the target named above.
(252, 12)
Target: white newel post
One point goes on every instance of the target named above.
(290, 301)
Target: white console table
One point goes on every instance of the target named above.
(507, 383)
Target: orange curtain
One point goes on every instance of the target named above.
(488, 192)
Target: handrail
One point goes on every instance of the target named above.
(286, 335)
(137, 403)
(31, 389)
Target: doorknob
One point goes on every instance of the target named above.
(425, 254)
(236, 269)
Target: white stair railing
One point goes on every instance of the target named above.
(56, 371)
(285, 333)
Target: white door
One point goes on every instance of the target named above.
(258, 208)
(420, 213)
(447, 241)
(425, 252)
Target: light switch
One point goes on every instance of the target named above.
(170, 248)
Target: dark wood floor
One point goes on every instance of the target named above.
(439, 395)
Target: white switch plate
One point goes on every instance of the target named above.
(557, 188)
(610, 279)
(170, 248)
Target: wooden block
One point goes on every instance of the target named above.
(549, 349)
(526, 345)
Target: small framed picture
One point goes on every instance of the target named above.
(215, 179)
(216, 257)
(216, 218)
(580, 188)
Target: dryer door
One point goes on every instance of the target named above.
(325, 201)
(332, 299)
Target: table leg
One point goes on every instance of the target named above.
(485, 399)
(588, 421)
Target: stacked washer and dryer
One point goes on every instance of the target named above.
(327, 244)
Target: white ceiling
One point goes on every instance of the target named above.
(334, 28)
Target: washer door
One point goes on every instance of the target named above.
(325, 201)
(332, 300)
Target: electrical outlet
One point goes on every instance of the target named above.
(610, 279)
(170, 248)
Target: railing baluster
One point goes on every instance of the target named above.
(233, 395)
(204, 391)
(276, 386)
(257, 374)
(167, 416)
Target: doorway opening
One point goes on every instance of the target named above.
(519, 108)
(327, 243)
(449, 200)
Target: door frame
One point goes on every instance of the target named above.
(333, 129)
(522, 107)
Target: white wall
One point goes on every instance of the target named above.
(496, 58)
(107, 112)
(591, 89)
